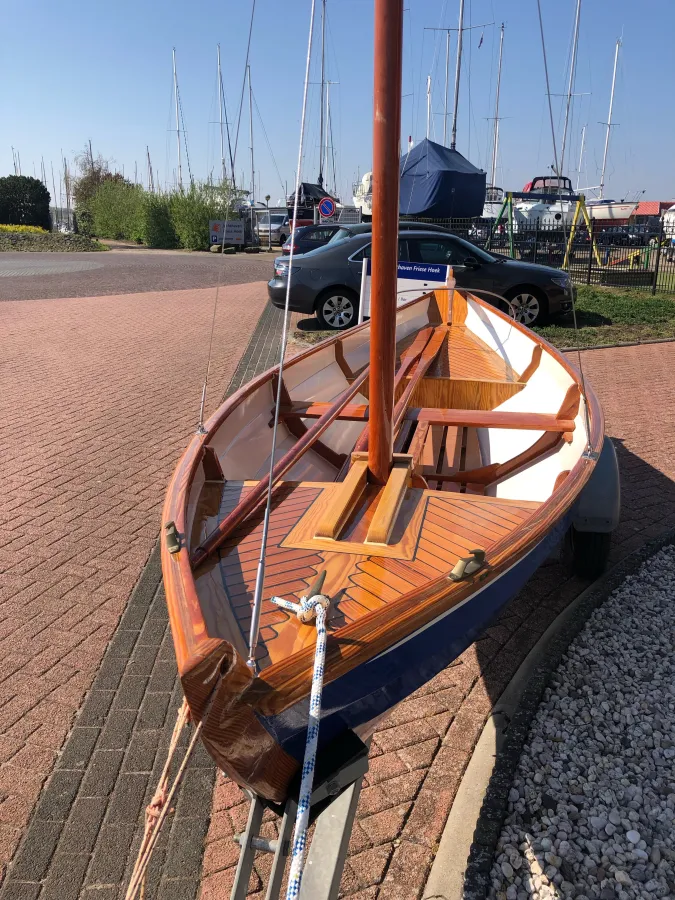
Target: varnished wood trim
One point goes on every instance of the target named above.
(469, 418)
(341, 361)
(533, 365)
(417, 444)
(255, 496)
(570, 405)
(426, 358)
(560, 479)
(488, 418)
(458, 308)
(343, 502)
(390, 501)
(547, 443)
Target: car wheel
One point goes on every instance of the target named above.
(527, 306)
(282, 239)
(337, 309)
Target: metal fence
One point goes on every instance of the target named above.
(640, 256)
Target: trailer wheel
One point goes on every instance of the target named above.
(587, 552)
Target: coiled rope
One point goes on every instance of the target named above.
(309, 608)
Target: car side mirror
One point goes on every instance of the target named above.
(471, 263)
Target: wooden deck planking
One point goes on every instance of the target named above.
(452, 525)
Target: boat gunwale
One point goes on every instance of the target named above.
(193, 644)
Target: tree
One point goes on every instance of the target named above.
(24, 201)
(93, 172)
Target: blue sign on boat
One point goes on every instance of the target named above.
(327, 207)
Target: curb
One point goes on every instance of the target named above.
(461, 868)
(620, 344)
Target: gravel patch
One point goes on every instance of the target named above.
(591, 813)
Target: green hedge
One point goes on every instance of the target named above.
(117, 210)
(47, 243)
(121, 210)
(159, 231)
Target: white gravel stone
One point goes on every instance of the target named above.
(592, 807)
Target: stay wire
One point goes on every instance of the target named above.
(267, 141)
(260, 575)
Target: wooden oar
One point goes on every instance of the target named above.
(248, 504)
(422, 351)
(428, 356)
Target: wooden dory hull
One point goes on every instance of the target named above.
(402, 619)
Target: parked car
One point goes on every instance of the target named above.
(347, 231)
(276, 231)
(326, 282)
(308, 237)
(624, 236)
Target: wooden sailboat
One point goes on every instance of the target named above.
(427, 461)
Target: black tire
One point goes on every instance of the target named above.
(587, 552)
(531, 305)
(282, 239)
(337, 309)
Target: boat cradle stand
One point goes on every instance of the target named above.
(337, 785)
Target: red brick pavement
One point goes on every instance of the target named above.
(420, 752)
(98, 397)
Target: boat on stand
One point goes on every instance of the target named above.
(408, 476)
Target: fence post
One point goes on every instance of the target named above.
(657, 264)
(591, 240)
(536, 241)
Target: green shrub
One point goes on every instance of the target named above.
(117, 210)
(158, 230)
(192, 209)
(23, 229)
(190, 214)
(24, 201)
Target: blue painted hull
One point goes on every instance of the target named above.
(372, 689)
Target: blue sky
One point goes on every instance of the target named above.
(71, 71)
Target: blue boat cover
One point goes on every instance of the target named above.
(439, 183)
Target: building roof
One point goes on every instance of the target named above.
(652, 207)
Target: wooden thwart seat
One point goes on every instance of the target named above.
(469, 418)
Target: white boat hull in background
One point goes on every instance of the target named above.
(608, 212)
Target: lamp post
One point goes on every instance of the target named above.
(269, 222)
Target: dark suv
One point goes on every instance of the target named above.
(326, 282)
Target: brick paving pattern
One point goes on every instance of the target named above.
(420, 752)
(126, 271)
(98, 397)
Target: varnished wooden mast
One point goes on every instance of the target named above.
(386, 145)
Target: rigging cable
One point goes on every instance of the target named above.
(260, 574)
(269, 146)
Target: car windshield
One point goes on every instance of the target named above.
(276, 220)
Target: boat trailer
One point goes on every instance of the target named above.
(337, 786)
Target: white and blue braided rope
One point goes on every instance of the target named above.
(317, 605)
